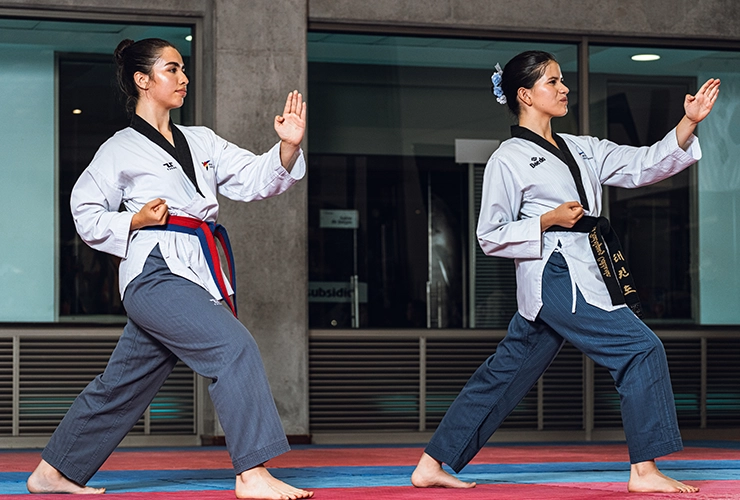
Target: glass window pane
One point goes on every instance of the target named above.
(387, 114)
(61, 99)
(676, 233)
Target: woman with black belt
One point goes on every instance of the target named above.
(540, 205)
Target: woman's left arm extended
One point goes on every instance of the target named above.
(697, 107)
(290, 127)
(242, 175)
(631, 167)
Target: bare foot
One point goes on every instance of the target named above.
(258, 483)
(430, 474)
(46, 479)
(646, 478)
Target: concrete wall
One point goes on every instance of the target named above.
(662, 18)
(260, 56)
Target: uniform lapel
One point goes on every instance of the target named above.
(561, 152)
(180, 152)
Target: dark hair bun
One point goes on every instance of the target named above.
(132, 57)
(523, 70)
(118, 53)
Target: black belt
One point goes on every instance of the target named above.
(604, 242)
(608, 255)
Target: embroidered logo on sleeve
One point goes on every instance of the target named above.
(584, 155)
(536, 161)
(207, 164)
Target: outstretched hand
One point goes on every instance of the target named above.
(291, 125)
(698, 106)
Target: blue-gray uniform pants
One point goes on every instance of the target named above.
(170, 318)
(617, 340)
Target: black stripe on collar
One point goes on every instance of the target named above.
(561, 151)
(180, 151)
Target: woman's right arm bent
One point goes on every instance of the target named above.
(501, 232)
(94, 203)
(154, 213)
(566, 215)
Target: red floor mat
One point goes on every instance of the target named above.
(710, 490)
(327, 457)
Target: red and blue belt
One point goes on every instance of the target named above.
(208, 233)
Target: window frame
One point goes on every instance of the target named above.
(583, 44)
(201, 93)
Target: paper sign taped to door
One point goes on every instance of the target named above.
(339, 219)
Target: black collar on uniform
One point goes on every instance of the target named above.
(562, 152)
(180, 152)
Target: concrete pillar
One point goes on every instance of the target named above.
(260, 56)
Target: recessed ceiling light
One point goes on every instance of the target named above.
(77, 111)
(189, 38)
(645, 57)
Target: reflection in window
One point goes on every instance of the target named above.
(386, 116)
(88, 115)
(653, 221)
(683, 247)
(57, 91)
(91, 110)
(392, 195)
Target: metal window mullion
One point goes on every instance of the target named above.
(541, 403)
(430, 254)
(588, 397)
(422, 384)
(16, 385)
(584, 119)
(148, 420)
(196, 412)
(472, 246)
